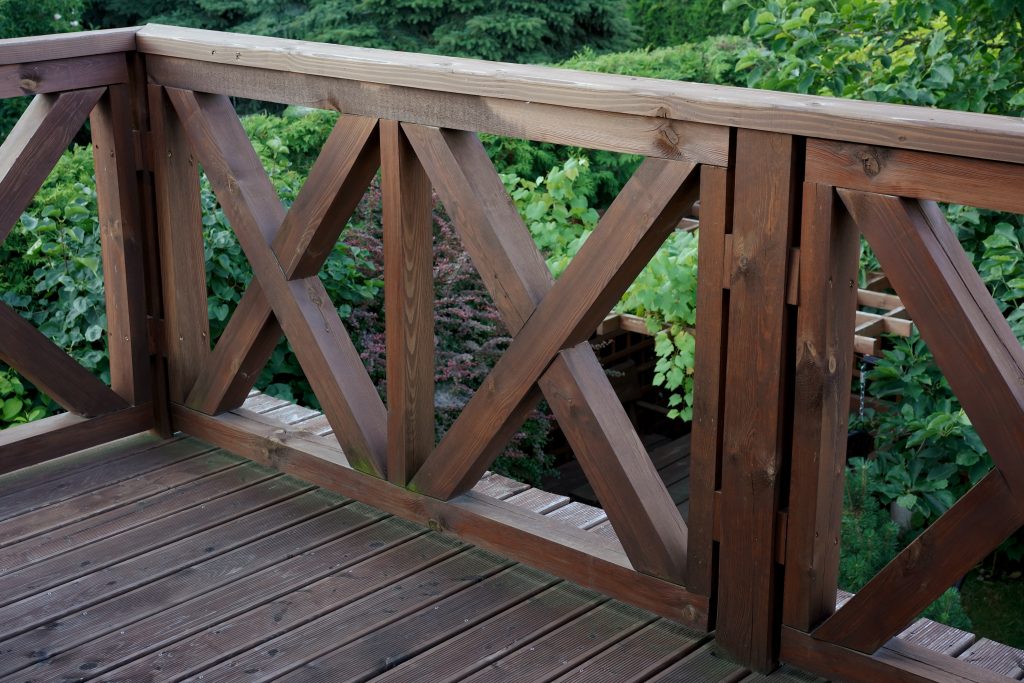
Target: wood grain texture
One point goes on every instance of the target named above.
(124, 284)
(621, 245)
(763, 216)
(336, 182)
(180, 236)
(56, 436)
(942, 291)
(829, 252)
(709, 376)
(547, 544)
(56, 75)
(872, 123)
(34, 145)
(67, 45)
(51, 370)
(329, 360)
(943, 178)
(408, 304)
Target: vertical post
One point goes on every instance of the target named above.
(709, 376)
(180, 236)
(829, 249)
(754, 441)
(408, 304)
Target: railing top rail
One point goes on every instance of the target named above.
(959, 133)
(66, 45)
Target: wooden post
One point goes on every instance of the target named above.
(755, 397)
(409, 304)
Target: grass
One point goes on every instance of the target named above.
(996, 608)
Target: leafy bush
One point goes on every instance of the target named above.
(19, 403)
(670, 22)
(711, 60)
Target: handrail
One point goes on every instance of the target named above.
(66, 45)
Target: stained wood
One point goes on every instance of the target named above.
(408, 304)
(56, 75)
(579, 515)
(311, 322)
(67, 45)
(873, 123)
(752, 443)
(829, 252)
(940, 177)
(180, 236)
(993, 656)
(499, 486)
(308, 234)
(34, 145)
(936, 559)
(538, 501)
(938, 637)
(606, 265)
(580, 556)
(56, 436)
(704, 664)
(124, 285)
(709, 377)
(648, 135)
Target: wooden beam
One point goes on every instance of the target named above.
(752, 443)
(339, 177)
(57, 436)
(408, 304)
(56, 75)
(51, 370)
(124, 286)
(310, 321)
(182, 258)
(947, 550)
(34, 145)
(496, 525)
(904, 173)
(829, 249)
(67, 45)
(928, 129)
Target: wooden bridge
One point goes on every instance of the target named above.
(155, 557)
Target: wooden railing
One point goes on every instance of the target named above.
(785, 183)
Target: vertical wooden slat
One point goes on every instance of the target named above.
(124, 286)
(753, 440)
(408, 304)
(709, 375)
(829, 249)
(182, 262)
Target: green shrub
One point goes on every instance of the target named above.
(670, 22)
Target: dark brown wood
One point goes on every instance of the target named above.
(60, 435)
(336, 183)
(709, 377)
(67, 45)
(612, 257)
(545, 543)
(51, 370)
(946, 551)
(408, 304)
(829, 251)
(36, 78)
(124, 284)
(906, 173)
(182, 258)
(942, 291)
(752, 461)
(34, 145)
(329, 360)
(897, 661)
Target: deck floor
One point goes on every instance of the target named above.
(165, 561)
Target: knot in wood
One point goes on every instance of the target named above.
(870, 162)
(28, 83)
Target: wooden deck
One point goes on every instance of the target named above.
(152, 560)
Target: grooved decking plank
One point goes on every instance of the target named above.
(938, 637)
(1002, 659)
(538, 501)
(219, 590)
(361, 583)
(367, 615)
(784, 674)
(44, 561)
(579, 515)
(261, 403)
(638, 656)
(292, 414)
(114, 496)
(497, 637)
(390, 645)
(498, 486)
(97, 475)
(264, 518)
(575, 642)
(702, 666)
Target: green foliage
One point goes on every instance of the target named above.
(965, 55)
(19, 403)
(671, 22)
